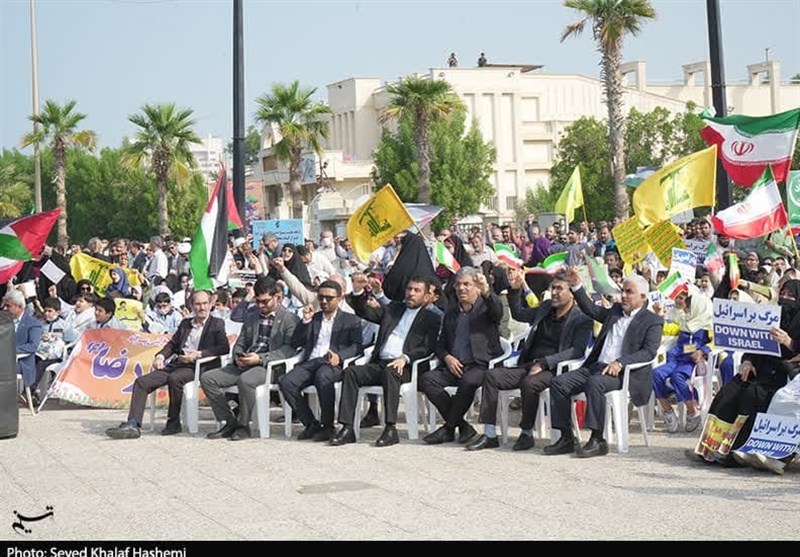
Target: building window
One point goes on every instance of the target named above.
(511, 202)
(491, 203)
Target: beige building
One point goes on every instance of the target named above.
(520, 109)
(208, 153)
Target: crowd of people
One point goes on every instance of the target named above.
(318, 300)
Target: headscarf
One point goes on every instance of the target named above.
(413, 260)
(460, 253)
(121, 285)
(297, 267)
(790, 309)
(699, 316)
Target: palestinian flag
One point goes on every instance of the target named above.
(748, 145)
(445, 258)
(760, 213)
(22, 240)
(506, 254)
(550, 266)
(208, 258)
(234, 220)
(673, 285)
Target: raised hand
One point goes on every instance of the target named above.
(574, 276)
(359, 281)
(308, 312)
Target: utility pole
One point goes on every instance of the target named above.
(37, 162)
(238, 109)
(718, 94)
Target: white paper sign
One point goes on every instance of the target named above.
(52, 272)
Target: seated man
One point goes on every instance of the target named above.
(469, 338)
(328, 337)
(104, 309)
(197, 337)
(265, 337)
(630, 335)
(407, 332)
(163, 318)
(28, 334)
(559, 331)
(53, 346)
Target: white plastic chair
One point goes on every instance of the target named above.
(617, 411)
(263, 395)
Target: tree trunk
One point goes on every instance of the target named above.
(60, 155)
(163, 215)
(423, 157)
(612, 79)
(295, 188)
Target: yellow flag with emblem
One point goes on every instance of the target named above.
(572, 196)
(687, 183)
(378, 219)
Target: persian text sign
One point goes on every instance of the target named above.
(662, 237)
(684, 262)
(773, 435)
(630, 240)
(746, 327)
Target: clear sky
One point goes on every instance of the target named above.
(112, 56)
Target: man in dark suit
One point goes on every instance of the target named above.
(27, 334)
(328, 337)
(407, 332)
(559, 331)
(469, 338)
(630, 334)
(266, 336)
(197, 337)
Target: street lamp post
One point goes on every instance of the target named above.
(37, 162)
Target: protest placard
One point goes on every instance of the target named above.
(52, 272)
(128, 312)
(661, 238)
(683, 262)
(288, 231)
(773, 435)
(630, 240)
(745, 326)
(718, 436)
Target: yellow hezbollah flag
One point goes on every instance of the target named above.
(83, 266)
(682, 185)
(379, 218)
(572, 196)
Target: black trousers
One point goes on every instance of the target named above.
(590, 381)
(503, 379)
(323, 376)
(372, 374)
(175, 378)
(433, 382)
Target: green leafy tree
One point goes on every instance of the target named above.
(252, 146)
(425, 101)
(162, 143)
(611, 21)
(59, 127)
(16, 195)
(301, 125)
(461, 165)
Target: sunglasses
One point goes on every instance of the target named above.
(324, 298)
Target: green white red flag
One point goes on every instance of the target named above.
(748, 145)
(506, 254)
(760, 213)
(673, 285)
(550, 266)
(23, 240)
(445, 258)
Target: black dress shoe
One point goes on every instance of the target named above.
(371, 419)
(523, 443)
(465, 433)
(310, 431)
(482, 442)
(593, 447)
(389, 437)
(171, 429)
(124, 431)
(324, 434)
(344, 436)
(441, 435)
(224, 432)
(564, 445)
(241, 433)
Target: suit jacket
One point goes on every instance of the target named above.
(213, 342)
(574, 336)
(280, 338)
(484, 329)
(345, 335)
(421, 338)
(28, 337)
(640, 343)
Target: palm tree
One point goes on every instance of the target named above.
(15, 193)
(611, 20)
(423, 100)
(59, 126)
(300, 123)
(162, 143)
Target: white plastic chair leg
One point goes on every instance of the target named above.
(262, 410)
(410, 404)
(190, 407)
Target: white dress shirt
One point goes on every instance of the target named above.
(612, 347)
(324, 338)
(393, 347)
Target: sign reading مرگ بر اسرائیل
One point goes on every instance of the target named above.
(745, 326)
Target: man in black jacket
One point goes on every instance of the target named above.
(197, 337)
(407, 333)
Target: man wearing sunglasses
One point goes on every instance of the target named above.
(266, 336)
(329, 337)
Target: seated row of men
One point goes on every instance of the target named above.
(464, 340)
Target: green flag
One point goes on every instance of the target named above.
(793, 200)
(572, 196)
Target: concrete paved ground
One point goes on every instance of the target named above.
(276, 489)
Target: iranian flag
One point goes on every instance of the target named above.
(550, 266)
(22, 240)
(747, 145)
(673, 285)
(445, 258)
(506, 254)
(733, 265)
(714, 261)
(760, 213)
(208, 258)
